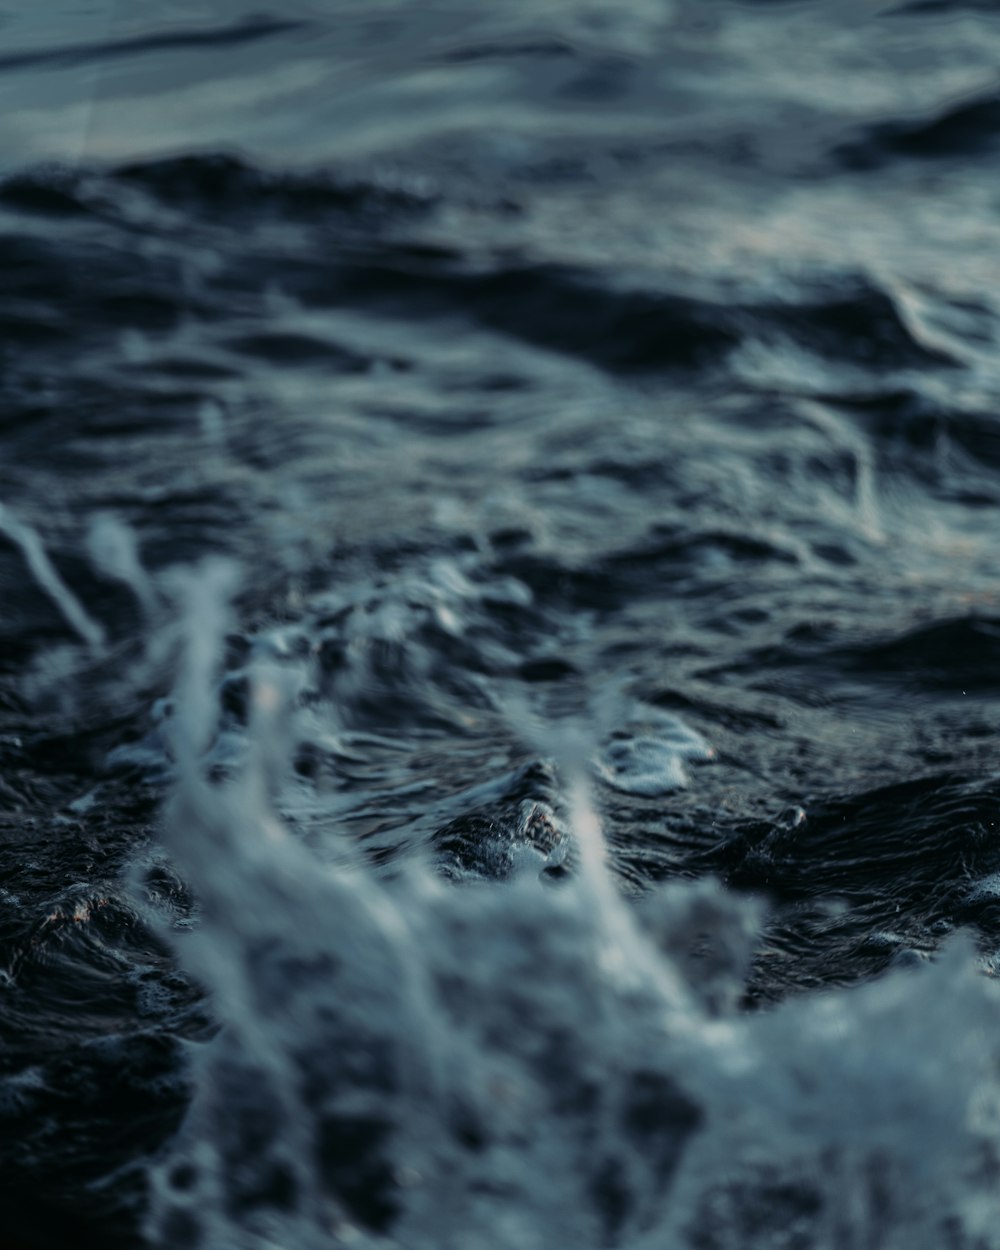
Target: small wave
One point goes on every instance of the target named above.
(909, 417)
(918, 7)
(217, 181)
(169, 40)
(967, 128)
(958, 656)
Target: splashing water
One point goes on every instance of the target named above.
(404, 1062)
(602, 403)
(45, 574)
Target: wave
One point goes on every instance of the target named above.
(382, 269)
(247, 31)
(966, 128)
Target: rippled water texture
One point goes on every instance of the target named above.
(499, 639)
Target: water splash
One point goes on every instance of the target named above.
(115, 552)
(408, 1063)
(48, 579)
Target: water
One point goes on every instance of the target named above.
(499, 654)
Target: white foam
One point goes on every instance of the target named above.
(407, 1063)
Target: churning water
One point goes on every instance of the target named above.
(499, 644)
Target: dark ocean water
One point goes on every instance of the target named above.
(499, 635)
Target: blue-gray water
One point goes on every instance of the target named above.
(499, 639)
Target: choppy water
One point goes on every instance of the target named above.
(499, 647)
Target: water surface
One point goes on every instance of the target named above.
(499, 683)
